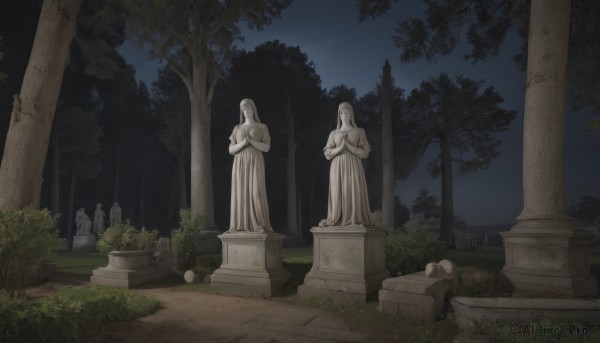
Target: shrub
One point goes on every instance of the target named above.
(61, 316)
(410, 252)
(27, 238)
(183, 239)
(124, 236)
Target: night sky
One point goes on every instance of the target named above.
(346, 52)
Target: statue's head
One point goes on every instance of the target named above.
(249, 105)
(345, 106)
(98, 205)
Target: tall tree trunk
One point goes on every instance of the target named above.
(183, 203)
(292, 221)
(387, 203)
(447, 198)
(55, 174)
(117, 173)
(201, 165)
(142, 184)
(71, 218)
(33, 109)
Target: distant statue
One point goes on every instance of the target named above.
(115, 214)
(83, 223)
(99, 219)
(248, 141)
(348, 199)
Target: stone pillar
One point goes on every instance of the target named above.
(544, 250)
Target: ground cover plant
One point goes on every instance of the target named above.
(60, 317)
(380, 326)
(27, 238)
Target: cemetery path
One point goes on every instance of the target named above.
(201, 317)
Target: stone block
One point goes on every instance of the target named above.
(124, 278)
(84, 243)
(251, 265)
(348, 263)
(414, 296)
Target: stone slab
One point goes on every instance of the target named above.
(251, 265)
(124, 278)
(469, 310)
(414, 296)
(84, 243)
(348, 264)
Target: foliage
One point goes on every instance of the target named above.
(588, 209)
(123, 236)
(427, 204)
(183, 239)
(485, 25)
(410, 252)
(60, 317)
(27, 238)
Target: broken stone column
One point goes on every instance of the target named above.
(544, 250)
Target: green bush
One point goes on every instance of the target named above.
(183, 239)
(123, 236)
(27, 238)
(409, 252)
(61, 316)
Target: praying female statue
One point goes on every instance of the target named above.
(248, 141)
(348, 199)
(99, 219)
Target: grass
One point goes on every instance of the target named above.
(298, 261)
(78, 265)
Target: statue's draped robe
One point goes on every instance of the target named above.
(348, 198)
(249, 206)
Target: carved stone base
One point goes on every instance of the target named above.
(349, 263)
(251, 265)
(125, 278)
(549, 256)
(84, 243)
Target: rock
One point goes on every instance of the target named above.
(431, 270)
(448, 270)
(190, 277)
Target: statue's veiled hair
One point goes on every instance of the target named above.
(251, 103)
(349, 107)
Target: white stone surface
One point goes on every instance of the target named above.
(248, 141)
(348, 198)
(84, 243)
(251, 264)
(415, 296)
(348, 263)
(190, 277)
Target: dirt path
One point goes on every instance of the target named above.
(201, 317)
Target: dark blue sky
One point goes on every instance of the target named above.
(346, 52)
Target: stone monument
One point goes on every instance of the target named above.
(99, 219)
(349, 251)
(83, 239)
(115, 214)
(251, 250)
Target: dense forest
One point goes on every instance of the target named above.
(114, 139)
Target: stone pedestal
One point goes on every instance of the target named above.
(549, 256)
(126, 278)
(128, 269)
(348, 265)
(414, 296)
(251, 265)
(84, 243)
